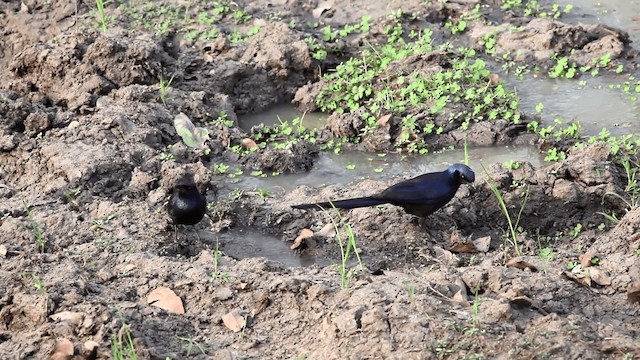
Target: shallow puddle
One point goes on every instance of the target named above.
(622, 14)
(280, 113)
(348, 167)
(595, 106)
(246, 243)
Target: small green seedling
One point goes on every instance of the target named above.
(191, 343)
(37, 231)
(37, 282)
(164, 89)
(122, 345)
(411, 289)
(102, 17)
(513, 225)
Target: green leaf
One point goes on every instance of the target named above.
(191, 135)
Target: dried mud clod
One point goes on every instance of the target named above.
(297, 157)
(99, 63)
(541, 38)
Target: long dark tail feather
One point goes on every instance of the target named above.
(343, 204)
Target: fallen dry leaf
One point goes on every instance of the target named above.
(384, 120)
(446, 256)
(249, 144)
(234, 321)
(72, 317)
(208, 58)
(62, 351)
(465, 247)
(91, 345)
(599, 276)
(494, 79)
(460, 298)
(585, 259)
(522, 301)
(483, 243)
(521, 264)
(633, 293)
(578, 279)
(327, 231)
(305, 233)
(166, 299)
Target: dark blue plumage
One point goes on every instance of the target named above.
(420, 196)
(186, 205)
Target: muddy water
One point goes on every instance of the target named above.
(280, 113)
(622, 14)
(348, 167)
(242, 243)
(595, 106)
(331, 169)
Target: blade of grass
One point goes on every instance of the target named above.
(513, 226)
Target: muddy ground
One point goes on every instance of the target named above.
(86, 169)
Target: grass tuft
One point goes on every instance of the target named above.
(122, 345)
(37, 230)
(513, 225)
(347, 246)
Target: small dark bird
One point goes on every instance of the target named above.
(420, 196)
(187, 205)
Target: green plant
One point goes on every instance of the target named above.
(461, 93)
(411, 289)
(191, 343)
(512, 164)
(35, 228)
(575, 231)
(222, 119)
(554, 155)
(240, 16)
(475, 307)
(513, 225)
(102, 17)
(346, 248)
(164, 88)
(37, 282)
(217, 274)
(122, 345)
(456, 28)
(167, 156)
(546, 255)
(611, 217)
(466, 150)
(563, 68)
(632, 172)
(71, 195)
(263, 194)
(219, 169)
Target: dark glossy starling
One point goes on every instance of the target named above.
(421, 196)
(186, 206)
